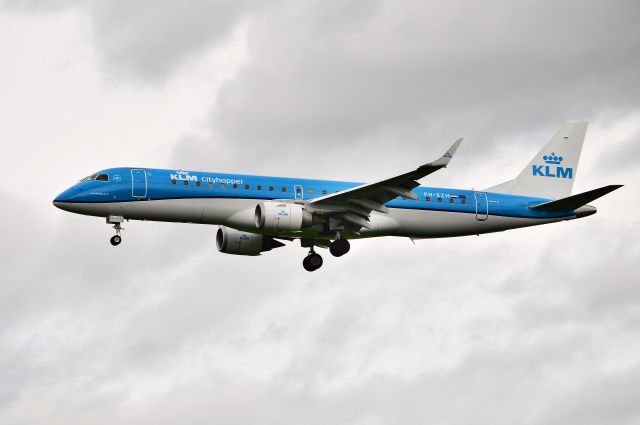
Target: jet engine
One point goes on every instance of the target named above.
(232, 241)
(282, 216)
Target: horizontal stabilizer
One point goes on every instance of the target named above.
(576, 201)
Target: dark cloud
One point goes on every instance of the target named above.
(361, 78)
(336, 81)
(149, 40)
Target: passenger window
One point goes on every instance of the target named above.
(186, 182)
(173, 182)
(284, 189)
(235, 185)
(246, 186)
(428, 199)
(324, 191)
(452, 200)
(311, 191)
(259, 187)
(270, 188)
(210, 184)
(223, 185)
(463, 201)
(439, 199)
(103, 178)
(198, 184)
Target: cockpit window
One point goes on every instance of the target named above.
(89, 178)
(103, 177)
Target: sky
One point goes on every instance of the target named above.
(532, 326)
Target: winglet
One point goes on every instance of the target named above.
(444, 159)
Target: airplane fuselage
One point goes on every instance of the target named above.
(256, 214)
(230, 200)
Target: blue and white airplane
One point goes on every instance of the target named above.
(256, 213)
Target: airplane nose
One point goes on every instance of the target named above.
(57, 202)
(65, 197)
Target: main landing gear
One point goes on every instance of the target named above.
(312, 261)
(117, 225)
(339, 247)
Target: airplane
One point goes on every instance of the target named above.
(256, 214)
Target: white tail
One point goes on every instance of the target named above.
(551, 173)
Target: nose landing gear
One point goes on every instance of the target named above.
(115, 240)
(116, 221)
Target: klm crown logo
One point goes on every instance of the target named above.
(552, 159)
(553, 168)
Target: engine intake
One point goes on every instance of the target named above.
(232, 241)
(281, 216)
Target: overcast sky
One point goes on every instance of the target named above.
(532, 326)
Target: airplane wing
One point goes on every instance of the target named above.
(354, 205)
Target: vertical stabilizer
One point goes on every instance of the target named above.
(551, 173)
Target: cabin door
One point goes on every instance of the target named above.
(138, 183)
(482, 206)
(299, 191)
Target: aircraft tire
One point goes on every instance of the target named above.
(115, 240)
(312, 262)
(339, 247)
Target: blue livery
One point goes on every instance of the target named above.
(256, 214)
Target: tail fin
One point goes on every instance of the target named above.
(551, 173)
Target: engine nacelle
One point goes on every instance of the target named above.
(282, 216)
(232, 241)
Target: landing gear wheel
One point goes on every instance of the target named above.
(312, 262)
(307, 265)
(339, 247)
(115, 240)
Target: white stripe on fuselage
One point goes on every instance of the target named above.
(239, 214)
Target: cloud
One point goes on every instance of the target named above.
(38, 6)
(322, 83)
(162, 328)
(147, 41)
